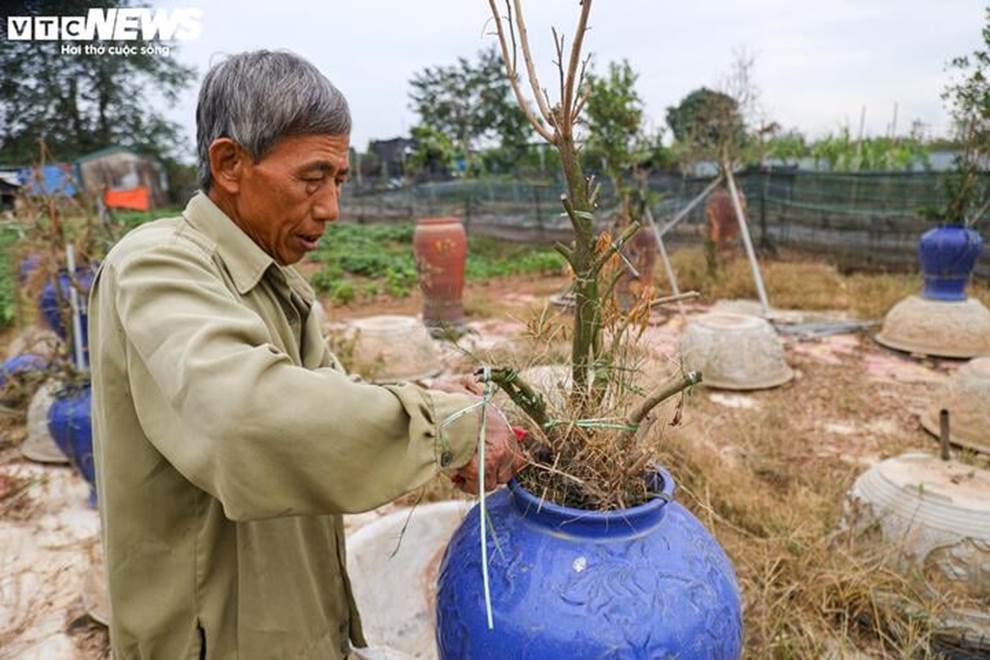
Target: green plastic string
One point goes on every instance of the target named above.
(599, 423)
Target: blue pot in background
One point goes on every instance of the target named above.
(48, 305)
(16, 367)
(28, 266)
(645, 582)
(22, 364)
(69, 422)
(948, 255)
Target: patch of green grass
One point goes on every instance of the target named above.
(131, 219)
(9, 268)
(381, 257)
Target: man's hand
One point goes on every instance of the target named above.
(503, 456)
(458, 385)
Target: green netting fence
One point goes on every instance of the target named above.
(862, 220)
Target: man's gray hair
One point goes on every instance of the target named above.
(259, 97)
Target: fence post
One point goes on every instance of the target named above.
(467, 211)
(539, 212)
(764, 244)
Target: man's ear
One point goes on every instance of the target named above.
(227, 161)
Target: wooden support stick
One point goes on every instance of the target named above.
(747, 241)
(943, 433)
(687, 209)
(668, 268)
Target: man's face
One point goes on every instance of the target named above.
(286, 198)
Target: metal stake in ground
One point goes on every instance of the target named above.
(747, 241)
(658, 235)
(943, 432)
(76, 305)
(687, 209)
(668, 268)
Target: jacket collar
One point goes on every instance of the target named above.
(244, 259)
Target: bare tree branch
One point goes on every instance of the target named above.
(662, 393)
(567, 101)
(558, 44)
(513, 76)
(534, 80)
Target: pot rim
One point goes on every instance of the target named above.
(441, 220)
(572, 521)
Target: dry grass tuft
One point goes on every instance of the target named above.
(772, 490)
(801, 284)
(809, 590)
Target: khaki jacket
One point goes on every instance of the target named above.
(228, 442)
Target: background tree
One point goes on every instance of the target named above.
(614, 119)
(433, 154)
(470, 103)
(81, 103)
(967, 192)
(788, 146)
(704, 119)
(628, 152)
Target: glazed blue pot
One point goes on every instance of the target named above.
(48, 305)
(22, 364)
(948, 255)
(69, 422)
(28, 266)
(19, 366)
(646, 582)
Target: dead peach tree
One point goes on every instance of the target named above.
(592, 444)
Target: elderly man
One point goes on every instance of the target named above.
(228, 440)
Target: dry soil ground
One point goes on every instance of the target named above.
(766, 470)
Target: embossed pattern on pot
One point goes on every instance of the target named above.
(646, 582)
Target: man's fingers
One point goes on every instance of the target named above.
(471, 485)
(491, 480)
(505, 473)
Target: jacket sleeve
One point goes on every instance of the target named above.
(265, 437)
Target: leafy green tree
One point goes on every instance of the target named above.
(614, 118)
(706, 119)
(842, 153)
(966, 191)
(788, 146)
(80, 103)
(618, 138)
(434, 151)
(470, 103)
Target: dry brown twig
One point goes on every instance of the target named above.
(591, 437)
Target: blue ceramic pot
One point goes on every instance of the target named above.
(948, 255)
(69, 422)
(17, 367)
(29, 265)
(48, 305)
(22, 364)
(645, 582)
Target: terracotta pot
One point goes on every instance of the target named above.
(723, 225)
(440, 248)
(641, 250)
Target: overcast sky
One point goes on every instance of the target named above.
(817, 63)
